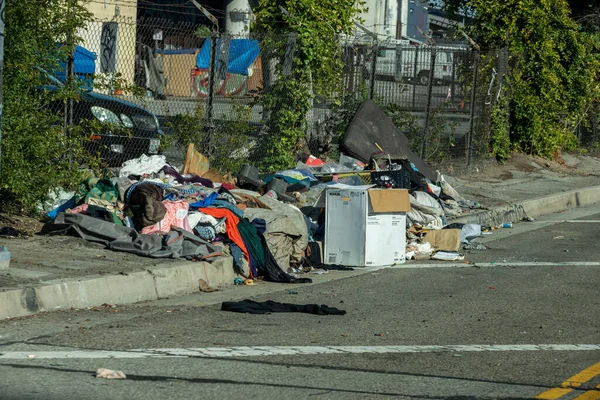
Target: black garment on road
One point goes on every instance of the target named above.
(255, 307)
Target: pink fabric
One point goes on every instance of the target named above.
(79, 209)
(177, 215)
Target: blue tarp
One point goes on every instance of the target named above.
(242, 53)
(176, 51)
(84, 65)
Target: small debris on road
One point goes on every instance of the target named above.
(110, 374)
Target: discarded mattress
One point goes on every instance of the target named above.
(370, 125)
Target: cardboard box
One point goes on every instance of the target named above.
(365, 226)
(177, 74)
(445, 239)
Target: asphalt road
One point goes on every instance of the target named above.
(511, 324)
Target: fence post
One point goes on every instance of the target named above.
(211, 75)
(373, 70)
(70, 79)
(504, 70)
(2, 9)
(224, 56)
(429, 95)
(415, 78)
(70, 75)
(469, 144)
(453, 82)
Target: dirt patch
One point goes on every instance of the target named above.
(19, 225)
(490, 169)
(506, 175)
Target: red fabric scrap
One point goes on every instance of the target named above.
(230, 225)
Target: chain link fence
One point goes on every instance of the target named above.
(161, 85)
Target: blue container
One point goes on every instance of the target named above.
(4, 258)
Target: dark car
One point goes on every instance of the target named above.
(136, 130)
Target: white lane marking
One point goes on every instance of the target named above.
(442, 264)
(257, 351)
(576, 221)
(563, 221)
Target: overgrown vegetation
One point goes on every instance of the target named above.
(333, 127)
(36, 154)
(310, 63)
(554, 70)
(441, 134)
(227, 143)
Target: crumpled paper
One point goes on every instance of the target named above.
(110, 374)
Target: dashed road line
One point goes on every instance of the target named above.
(262, 351)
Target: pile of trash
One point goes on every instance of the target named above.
(151, 209)
(313, 218)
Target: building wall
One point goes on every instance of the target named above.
(386, 18)
(112, 36)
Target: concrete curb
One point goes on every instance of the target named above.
(151, 284)
(533, 208)
(182, 279)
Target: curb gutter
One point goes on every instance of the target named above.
(533, 208)
(151, 284)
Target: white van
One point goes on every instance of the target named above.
(412, 63)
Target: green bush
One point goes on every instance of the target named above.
(227, 143)
(440, 137)
(37, 154)
(554, 70)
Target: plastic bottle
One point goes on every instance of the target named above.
(4, 257)
(506, 225)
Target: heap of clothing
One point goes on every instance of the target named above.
(152, 210)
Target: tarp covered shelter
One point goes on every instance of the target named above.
(242, 54)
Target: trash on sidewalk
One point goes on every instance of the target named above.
(365, 226)
(377, 204)
(195, 162)
(444, 239)
(446, 256)
(468, 234)
(238, 281)
(110, 374)
(319, 271)
(419, 251)
(371, 130)
(205, 287)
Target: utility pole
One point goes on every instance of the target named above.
(213, 60)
